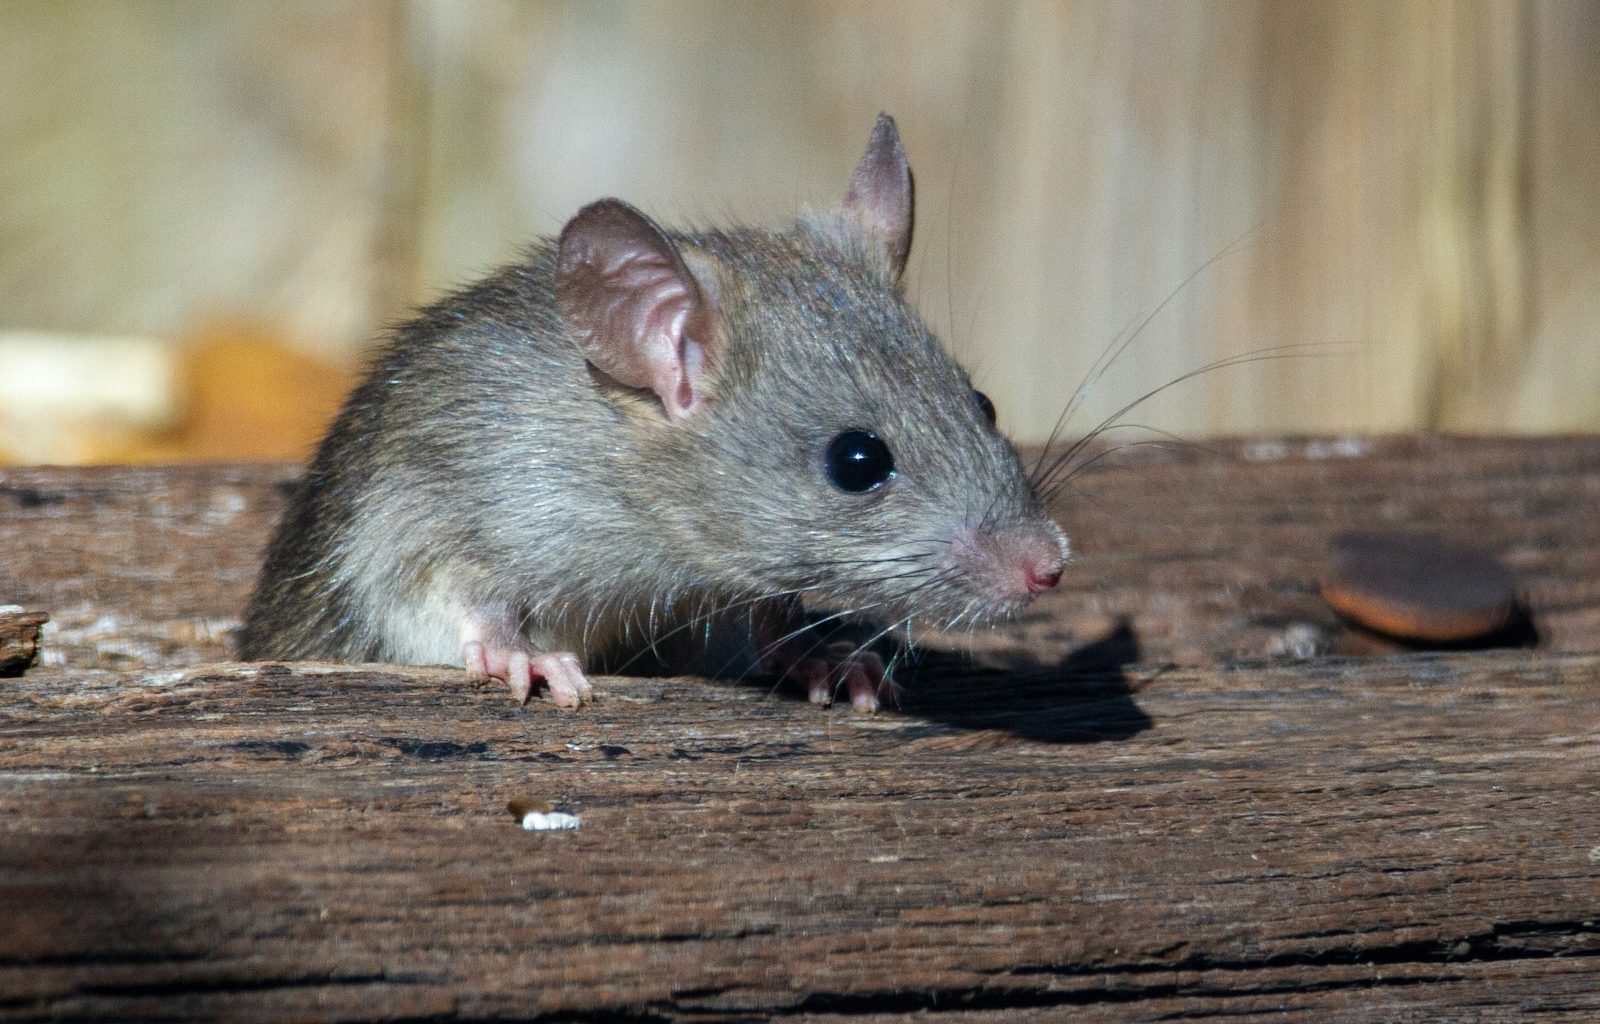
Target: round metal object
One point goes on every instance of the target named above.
(1418, 587)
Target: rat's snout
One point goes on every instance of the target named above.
(1013, 563)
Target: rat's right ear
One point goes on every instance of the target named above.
(880, 200)
(634, 308)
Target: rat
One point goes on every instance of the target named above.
(635, 433)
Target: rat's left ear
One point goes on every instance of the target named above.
(880, 198)
(634, 308)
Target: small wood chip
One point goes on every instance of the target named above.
(1418, 587)
(19, 638)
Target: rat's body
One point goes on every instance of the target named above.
(631, 428)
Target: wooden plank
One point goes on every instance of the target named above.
(1102, 812)
(1212, 556)
(1350, 839)
(137, 566)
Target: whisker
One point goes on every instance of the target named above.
(1114, 350)
(1050, 493)
(1240, 359)
(1050, 490)
(707, 618)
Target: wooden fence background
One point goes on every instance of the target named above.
(1411, 184)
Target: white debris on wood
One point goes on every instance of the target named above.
(549, 821)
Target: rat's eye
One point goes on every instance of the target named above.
(984, 404)
(858, 461)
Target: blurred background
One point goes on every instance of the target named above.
(209, 210)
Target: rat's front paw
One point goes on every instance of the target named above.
(842, 669)
(790, 651)
(520, 666)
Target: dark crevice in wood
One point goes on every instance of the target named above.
(1486, 947)
(31, 497)
(117, 958)
(208, 986)
(969, 999)
(434, 750)
(1495, 945)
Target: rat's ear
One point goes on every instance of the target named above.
(881, 192)
(635, 310)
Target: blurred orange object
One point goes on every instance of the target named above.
(247, 395)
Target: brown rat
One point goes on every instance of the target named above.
(634, 431)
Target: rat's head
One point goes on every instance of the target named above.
(801, 429)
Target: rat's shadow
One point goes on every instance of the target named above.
(1083, 698)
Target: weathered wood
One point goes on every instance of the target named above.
(19, 638)
(1123, 824)
(1353, 839)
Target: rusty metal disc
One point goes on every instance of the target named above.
(1418, 586)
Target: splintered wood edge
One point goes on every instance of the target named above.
(19, 638)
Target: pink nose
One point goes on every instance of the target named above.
(1043, 577)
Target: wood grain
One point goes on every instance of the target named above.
(1359, 837)
(1157, 815)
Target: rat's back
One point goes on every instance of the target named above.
(469, 415)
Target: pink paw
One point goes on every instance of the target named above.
(859, 674)
(561, 672)
(790, 651)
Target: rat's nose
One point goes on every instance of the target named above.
(1012, 563)
(1041, 576)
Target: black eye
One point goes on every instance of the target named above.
(984, 404)
(859, 461)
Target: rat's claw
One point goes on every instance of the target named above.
(779, 633)
(519, 673)
(860, 677)
(585, 691)
(563, 673)
(864, 681)
(861, 673)
(816, 675)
